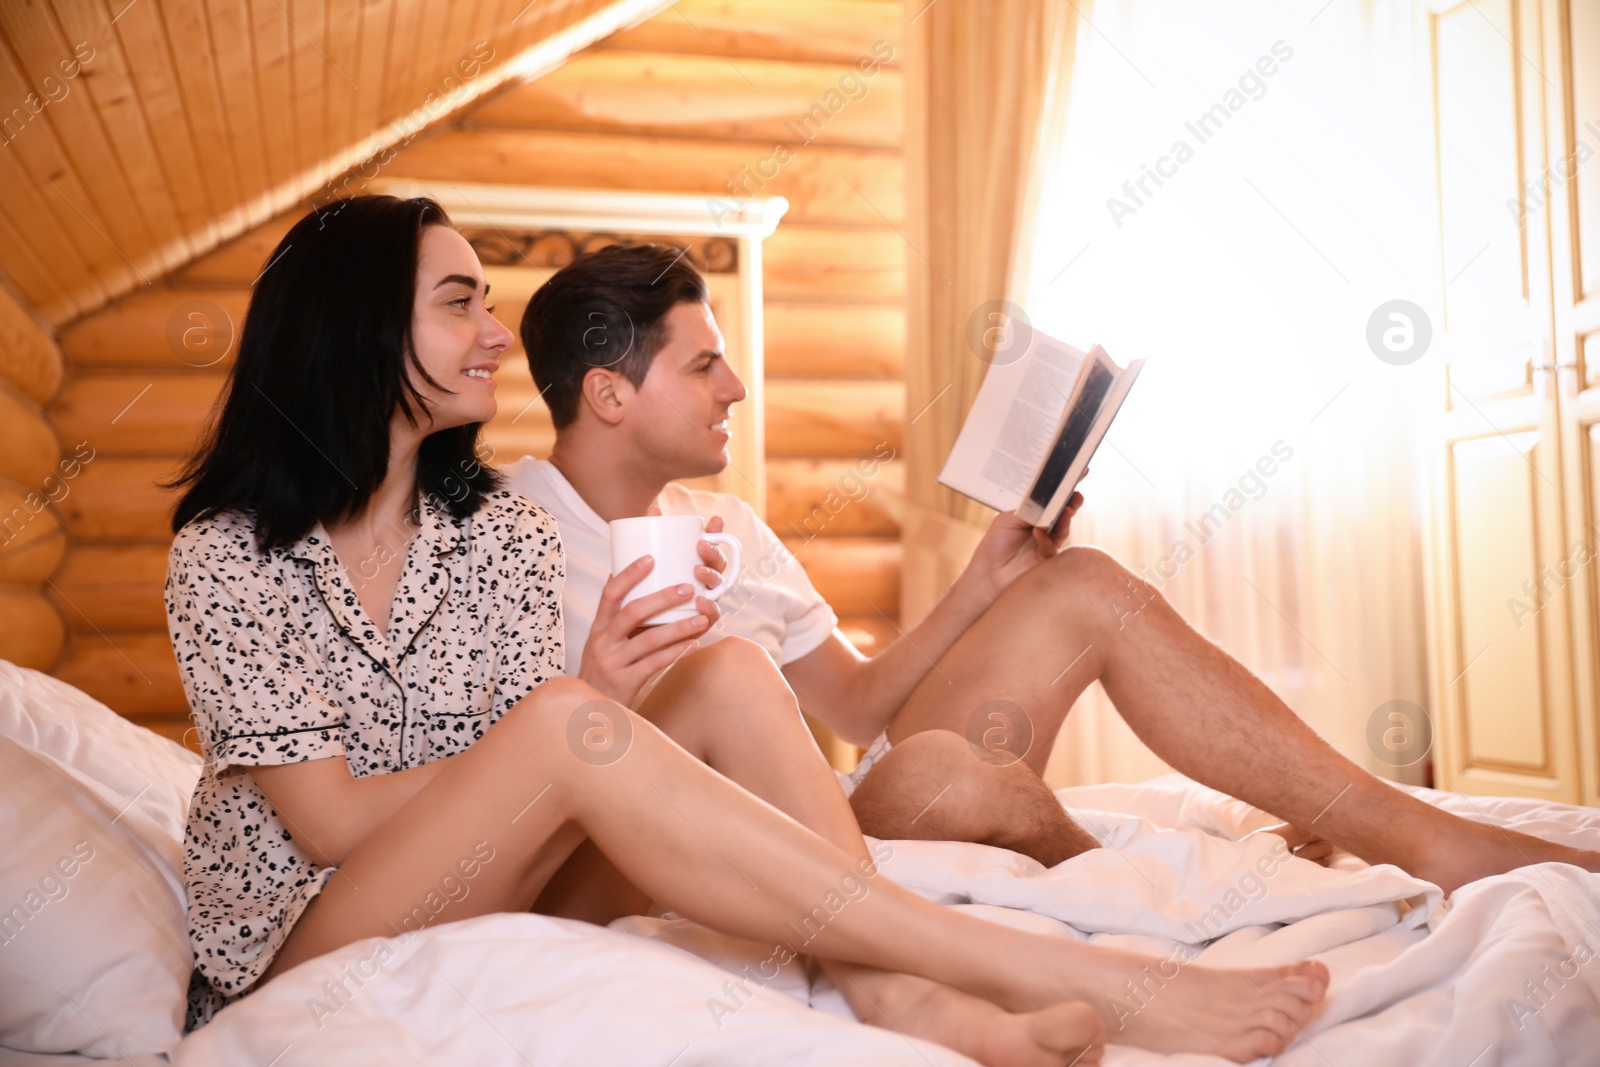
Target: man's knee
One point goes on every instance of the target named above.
(1088, 579)
(930, 786)
(935, 753)
(938, 786)
(1084, 566)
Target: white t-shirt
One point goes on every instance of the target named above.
(773, 603)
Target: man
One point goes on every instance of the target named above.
(726, 703)
(628, 355)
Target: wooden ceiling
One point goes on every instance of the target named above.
(138, 134)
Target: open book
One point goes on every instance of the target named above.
(1036, 423)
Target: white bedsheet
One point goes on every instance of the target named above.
(1415, 980)
(523, 989)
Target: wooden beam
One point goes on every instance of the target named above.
(32, 541)
(113, 587)
(241, 261)
(803, 263)
(30, 359)
(28, 448)
(827, 264)
(680, 95)
(850, 186)
(814, 31)
(135, 674)
(433, 52)
(169, 328)
(117, 500)
(122, 414)
(33, 634)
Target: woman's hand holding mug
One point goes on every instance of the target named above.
(650, 613)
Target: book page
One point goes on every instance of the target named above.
(1008, 430)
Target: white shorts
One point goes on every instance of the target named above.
(876, 752)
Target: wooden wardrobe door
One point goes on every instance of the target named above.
(1572, 40)
(1504, 702)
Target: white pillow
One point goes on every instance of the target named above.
(101, 747)
(116, 941)
(94, 949)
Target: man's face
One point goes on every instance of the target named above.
(679, 414)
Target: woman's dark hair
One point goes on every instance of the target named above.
(302, 431)
(606, 308)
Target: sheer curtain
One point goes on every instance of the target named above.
(1232, 190)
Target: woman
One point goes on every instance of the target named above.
(370, 639)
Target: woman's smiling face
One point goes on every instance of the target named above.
(457, 339)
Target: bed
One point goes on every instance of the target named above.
(94, 961)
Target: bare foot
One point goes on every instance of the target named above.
(1066, 1035)
(1057, 1036)
(1478, 850)
(1170, 1006)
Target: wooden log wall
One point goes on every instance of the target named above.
(34, 479)
(691, 101)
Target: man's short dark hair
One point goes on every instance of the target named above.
(607, 308)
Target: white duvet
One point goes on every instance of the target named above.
(1504, 973)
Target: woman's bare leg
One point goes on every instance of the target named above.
(728, 705)
(706, 848)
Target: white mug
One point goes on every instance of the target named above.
(671, 540)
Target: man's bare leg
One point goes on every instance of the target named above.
(935, 786)
(728, 705)
(1082, 617)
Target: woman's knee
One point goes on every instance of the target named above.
(551, 708)
(733, 670)
(561, 716)
(732, 657)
